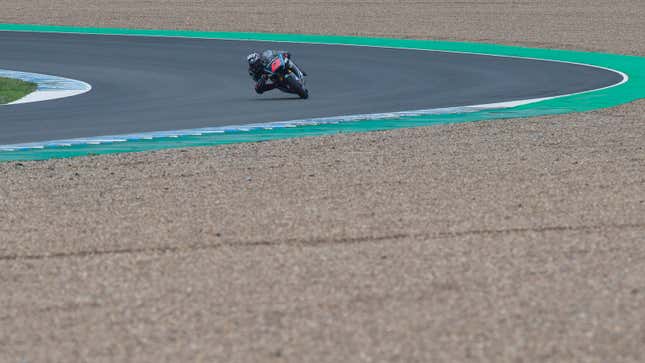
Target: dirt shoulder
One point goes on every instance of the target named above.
(491, 241)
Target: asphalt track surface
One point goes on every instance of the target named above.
(154, 84)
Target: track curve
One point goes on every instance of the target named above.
(154, 83)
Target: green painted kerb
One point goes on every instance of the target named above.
(634, 89)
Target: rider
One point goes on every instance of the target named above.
(259, 62)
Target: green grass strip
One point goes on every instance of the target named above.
(632, 66)
(14, 89)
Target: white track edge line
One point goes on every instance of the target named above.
(49, 86)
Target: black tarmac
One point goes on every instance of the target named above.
(154, 84)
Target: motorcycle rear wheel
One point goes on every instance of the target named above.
(297, 87)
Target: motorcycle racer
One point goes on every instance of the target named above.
(258, 72)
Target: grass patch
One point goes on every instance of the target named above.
(14, 89)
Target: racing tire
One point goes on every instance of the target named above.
(296, 86)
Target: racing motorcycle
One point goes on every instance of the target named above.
(285, 78)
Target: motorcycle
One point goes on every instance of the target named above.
(285, 78)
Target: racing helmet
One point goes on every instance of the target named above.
(253, 59)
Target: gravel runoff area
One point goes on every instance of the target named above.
(505, 241)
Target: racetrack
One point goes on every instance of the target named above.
(499, 241)
(155, 84)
